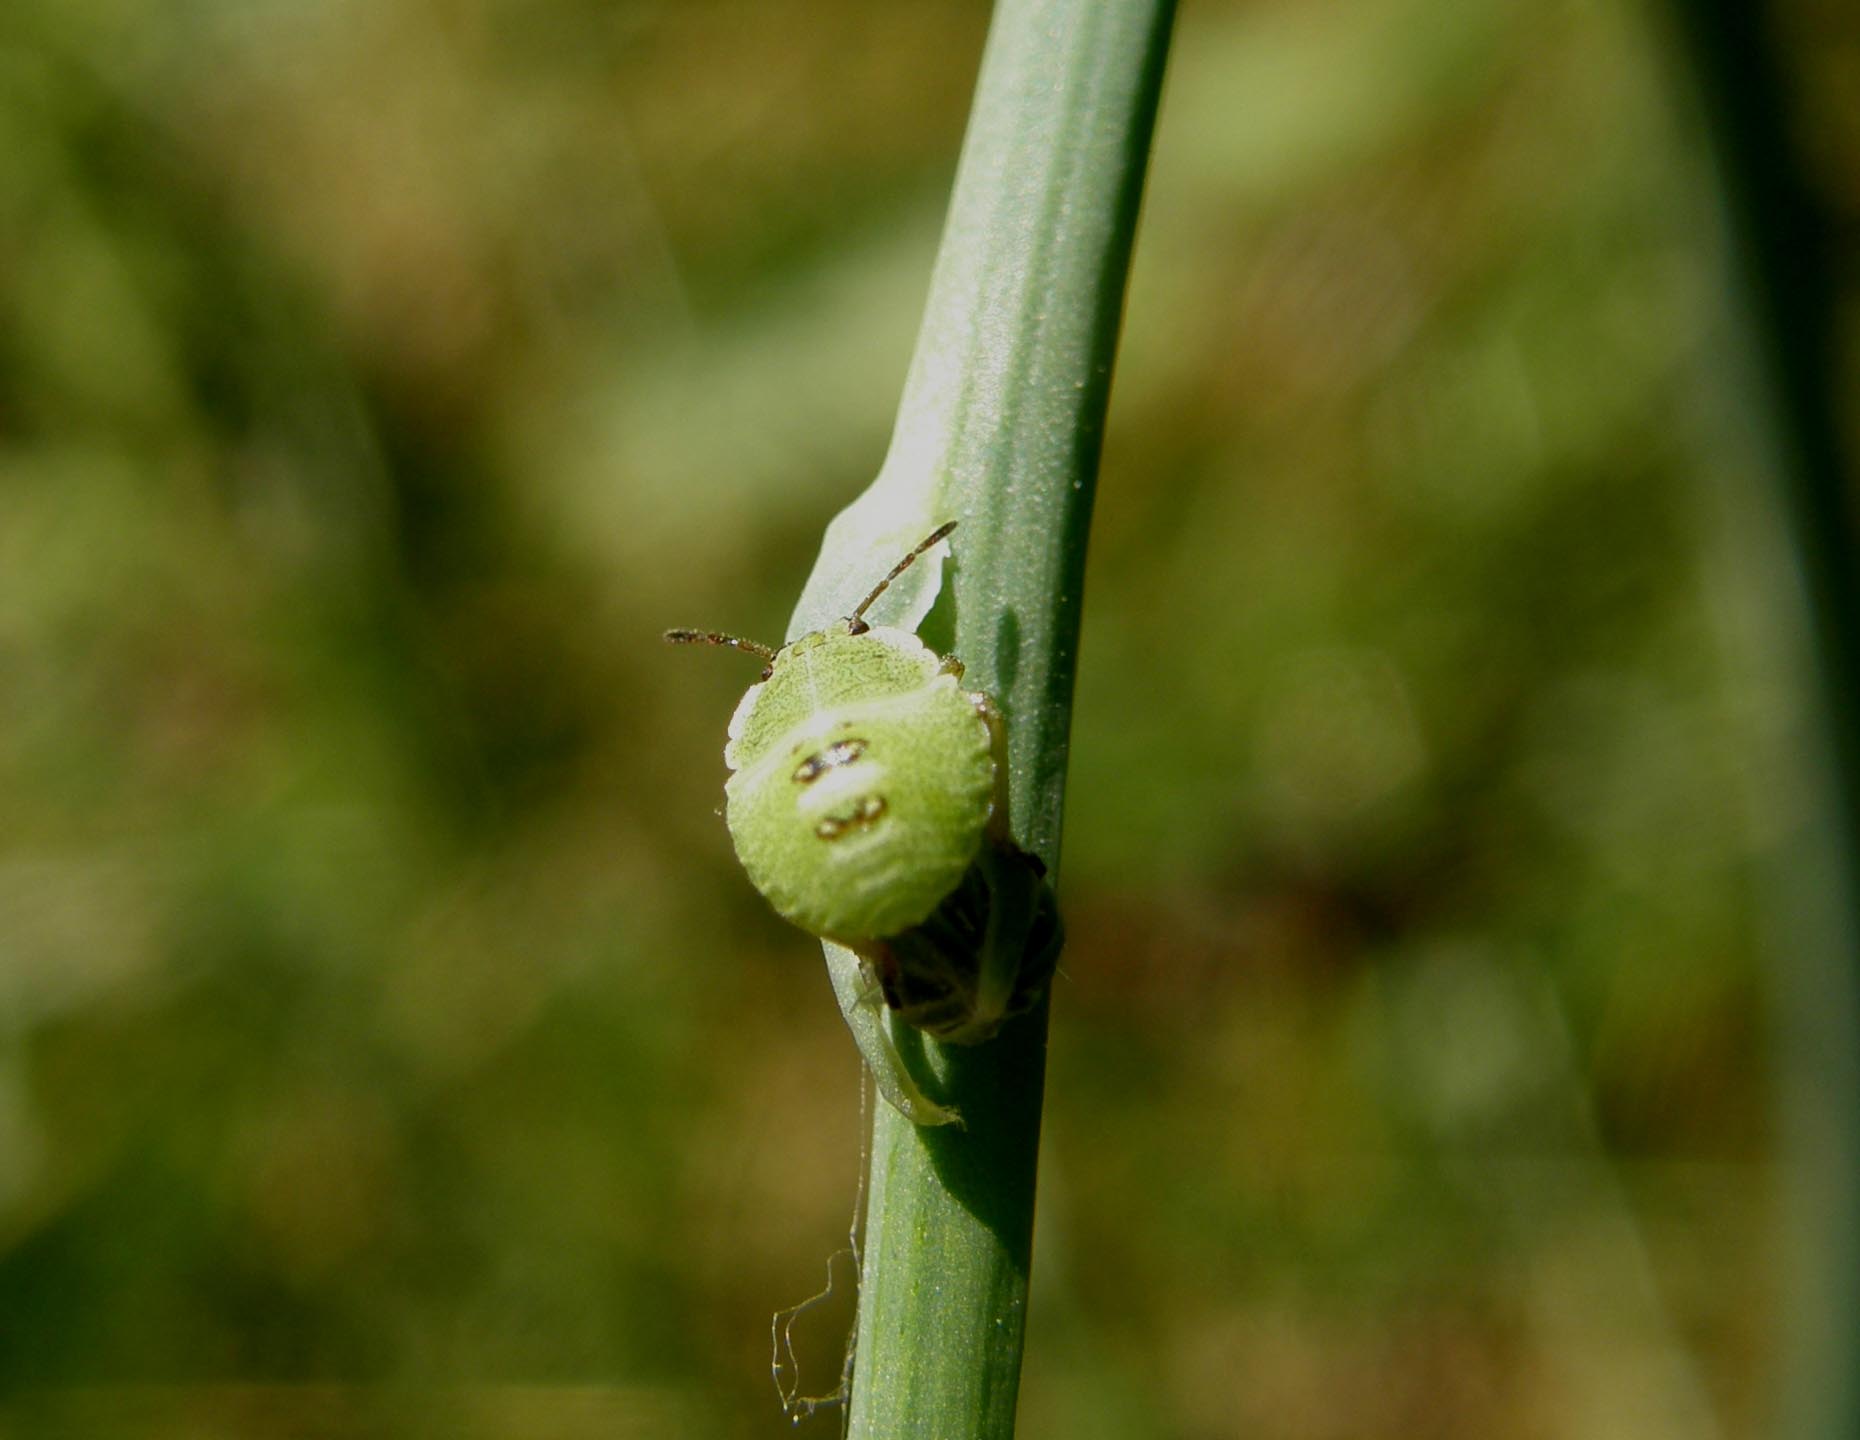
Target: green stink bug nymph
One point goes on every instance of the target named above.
(867, 801)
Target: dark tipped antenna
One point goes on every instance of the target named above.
(858, 616)
(712, 637)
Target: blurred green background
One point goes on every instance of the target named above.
(389, 1044)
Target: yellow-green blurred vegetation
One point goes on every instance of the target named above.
(389, 1044)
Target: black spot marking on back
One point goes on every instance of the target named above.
(841, 752)
(862, 814)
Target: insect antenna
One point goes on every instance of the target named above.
(712, 637)
(858, 615)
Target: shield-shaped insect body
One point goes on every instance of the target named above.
(861, 781)
(867, 801)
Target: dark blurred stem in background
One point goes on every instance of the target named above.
(1784, 298)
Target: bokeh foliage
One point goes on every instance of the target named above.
(388, 1042)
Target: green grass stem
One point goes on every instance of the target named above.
(1000, 428)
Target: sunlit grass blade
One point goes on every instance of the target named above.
(999, 429)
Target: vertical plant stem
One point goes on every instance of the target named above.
(1000, 428)
(1784, 302)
